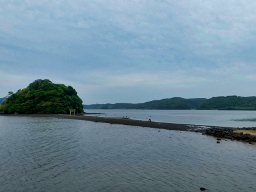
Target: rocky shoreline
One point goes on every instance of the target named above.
(218, 132)
(232, 134)
(238, 134)
(130, 122)
(121, 121)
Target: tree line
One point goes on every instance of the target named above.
(214, 103)
(170, 103)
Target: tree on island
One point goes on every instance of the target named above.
(43, 96)
(9, 94)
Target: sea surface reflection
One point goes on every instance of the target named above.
(50, 154)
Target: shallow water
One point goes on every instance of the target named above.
(50, 154)
(196, 117)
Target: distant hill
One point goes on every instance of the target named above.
(229, 103)
(171, 103)
(214, 103)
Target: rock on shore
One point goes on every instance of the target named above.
(230, 133)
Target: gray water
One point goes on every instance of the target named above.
(195, 117)
(50, 154)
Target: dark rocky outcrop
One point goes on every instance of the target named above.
(229, 133)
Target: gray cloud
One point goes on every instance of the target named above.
(168, 46)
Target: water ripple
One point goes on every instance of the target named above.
(48, 154)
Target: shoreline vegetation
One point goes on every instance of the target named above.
(221, 133)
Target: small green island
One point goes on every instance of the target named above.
(42, 97)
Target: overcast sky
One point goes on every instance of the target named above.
(130, 50)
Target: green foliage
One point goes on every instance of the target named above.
(172, 103)
(230, 103)
(43, 96)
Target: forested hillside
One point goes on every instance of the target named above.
(171, 103)
(214, 103)
(43, 96)
(230, 103)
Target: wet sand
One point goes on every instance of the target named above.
(251, 132)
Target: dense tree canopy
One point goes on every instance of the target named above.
(214, 103)
(230, 103)
(171, 103)
(43, 96)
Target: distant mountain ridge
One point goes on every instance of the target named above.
(170, 103)
(229, 103)
(214, 103)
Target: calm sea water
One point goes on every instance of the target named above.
(197, 117)
(50, 154)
